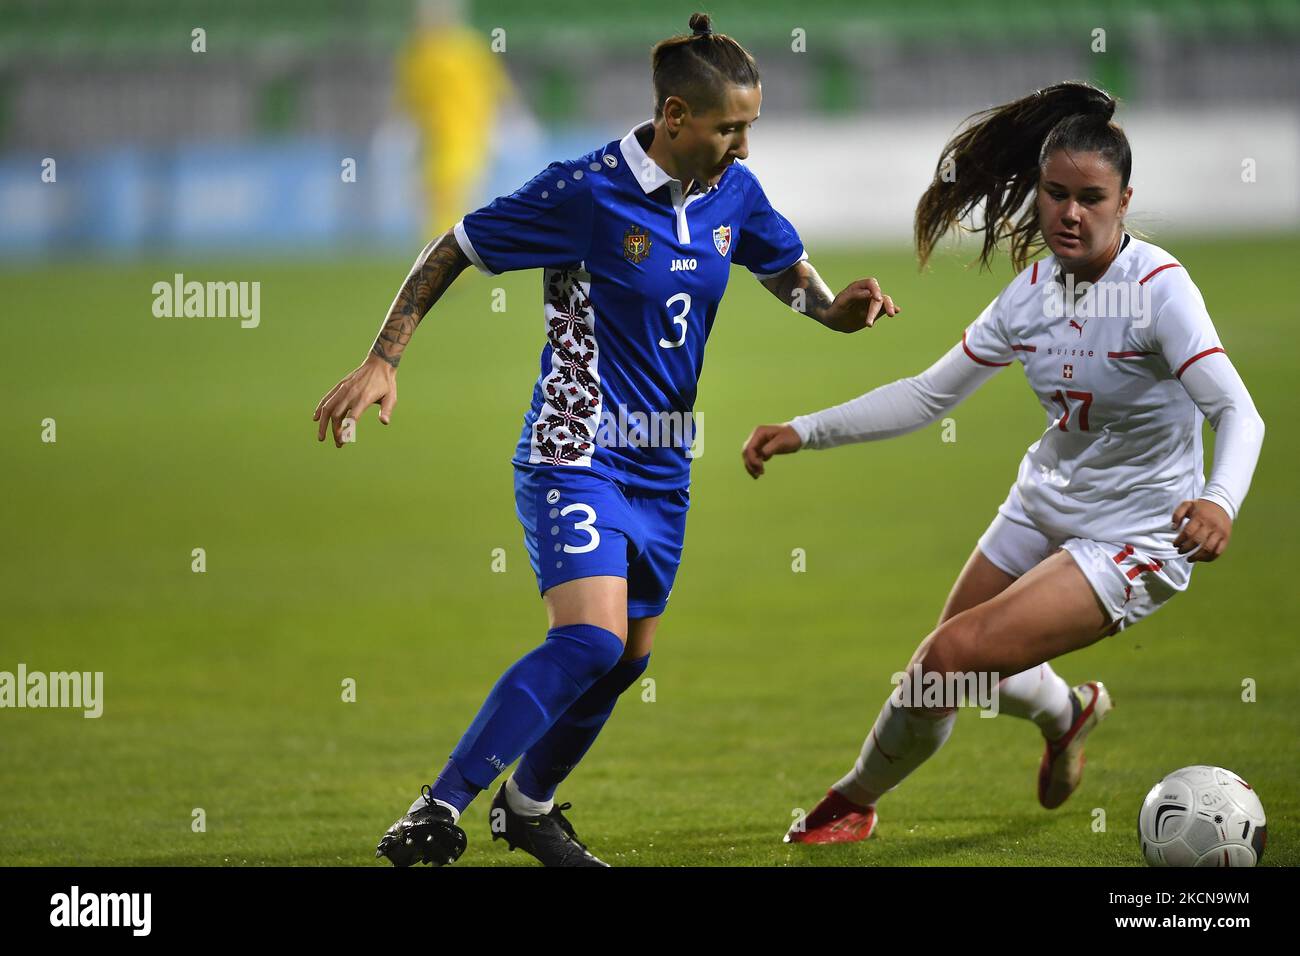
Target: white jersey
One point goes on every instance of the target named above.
(1122, 445)
(1126, 373)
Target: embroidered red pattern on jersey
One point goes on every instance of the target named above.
(565, 430)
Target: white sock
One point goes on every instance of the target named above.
(420, 803)
(521, 803)
(900, 741)
(1038, 694)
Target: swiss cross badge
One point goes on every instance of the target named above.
(1067, 371)
(722, 239)
(636, 244)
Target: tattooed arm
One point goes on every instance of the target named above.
(375, 380)
(435, 269)
(856, 307)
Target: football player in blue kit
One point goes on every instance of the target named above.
(635, 241)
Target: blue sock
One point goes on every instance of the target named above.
(558, 751)
(526, 700)
(451, 787)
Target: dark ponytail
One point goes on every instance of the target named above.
(700, 66)
(996, 157)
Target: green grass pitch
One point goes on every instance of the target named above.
(223, 689)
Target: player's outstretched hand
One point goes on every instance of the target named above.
(859, 305)
(1208, 528)
(766, 441)
(374, 381)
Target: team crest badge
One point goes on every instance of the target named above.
(1067, 371)
(722, 239)
(636, 244)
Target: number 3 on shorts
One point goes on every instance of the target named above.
(584, 525)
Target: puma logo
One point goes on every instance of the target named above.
(1076, 325)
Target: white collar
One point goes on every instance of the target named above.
(647, 172)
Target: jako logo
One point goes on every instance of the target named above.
(103, 909)
(683, 265)
(208, 300)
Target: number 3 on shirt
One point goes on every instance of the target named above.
(679, 319)
(1085, 398)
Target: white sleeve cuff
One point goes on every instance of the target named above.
(467, 247)
(803, 257)
(1219, 500)
(803, 427)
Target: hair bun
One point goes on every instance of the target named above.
(700, 24)
(1099, 103)
(1103, 108)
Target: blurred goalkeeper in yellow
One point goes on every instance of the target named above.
(451, 83)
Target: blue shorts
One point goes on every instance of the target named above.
(578, 524)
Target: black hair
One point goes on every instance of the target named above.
(995, 160)
(700, 66)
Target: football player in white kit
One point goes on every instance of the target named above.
(1110, 507)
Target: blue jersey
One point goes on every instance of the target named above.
(633, 273)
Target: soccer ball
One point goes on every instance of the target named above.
(1202, 816)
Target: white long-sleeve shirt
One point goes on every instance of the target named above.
(1125, 377)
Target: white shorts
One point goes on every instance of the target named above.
(1130, 584)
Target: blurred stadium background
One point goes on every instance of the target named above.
(374, 563)
(161, 147)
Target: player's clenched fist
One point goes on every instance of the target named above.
(766, 441)
(374, 381)
(1208, 529)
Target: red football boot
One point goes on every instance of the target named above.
(836, 819)
(1061, 770)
